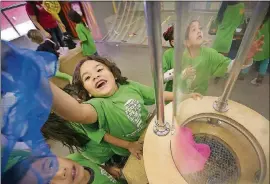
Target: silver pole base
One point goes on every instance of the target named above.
(221, 106)
(161, 130)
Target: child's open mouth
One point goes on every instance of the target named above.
(100, 84)
(74, 173)
(199, 37)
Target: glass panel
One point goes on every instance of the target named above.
(7, 31)
(20, 19)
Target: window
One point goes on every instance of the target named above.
(14, 20)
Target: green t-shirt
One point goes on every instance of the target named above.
(232, 18)
(208, 64)
(265, 53)
(85, 35)
(100, 175)
(124, 114)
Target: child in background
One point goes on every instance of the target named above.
(263, 56)
(200, 63)
(230, 16)
(84, 34)
(47, 45)
(115, 105)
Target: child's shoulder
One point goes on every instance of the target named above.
(208, 50)
(169, 51)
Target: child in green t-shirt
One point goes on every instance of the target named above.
(75, 169)
(230, 16)
(84, 34)
(112, 104)
(263, 56)
(199, 63)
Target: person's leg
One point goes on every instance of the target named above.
(262, 71)
(243, 73)
(59, 36)
(54, 38)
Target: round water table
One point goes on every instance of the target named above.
(238, 139)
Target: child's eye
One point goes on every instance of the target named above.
(86, 78)
(99, 70)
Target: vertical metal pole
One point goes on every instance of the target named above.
(221, 105)
(181, 9)
(152, 15)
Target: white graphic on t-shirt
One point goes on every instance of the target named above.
(104, 173)
(133, 112)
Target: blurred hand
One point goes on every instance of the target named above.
(196, 96)
(255, 47)
(136, 149)
(47, 35)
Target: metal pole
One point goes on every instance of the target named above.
(181, 9)
(221, 105)
(152, 15)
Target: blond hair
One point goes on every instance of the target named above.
(35, 36)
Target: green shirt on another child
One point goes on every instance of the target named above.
(85, 36)
(124, 114)
(208, 64)
(232, 18)
(100, 176)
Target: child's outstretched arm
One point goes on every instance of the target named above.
(135, 148)
(69, 109)
(168, 96)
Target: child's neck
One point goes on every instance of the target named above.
(194, 51)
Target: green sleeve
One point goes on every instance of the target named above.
(147, 93)
(218, 63)
(166, 61)
(98, 103)
(94, 133)
(80, 33)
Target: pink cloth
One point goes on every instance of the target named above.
(190, 157)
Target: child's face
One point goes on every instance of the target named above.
(97, 79)
(69, 172)
(195, 37)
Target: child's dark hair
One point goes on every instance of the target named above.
(75, 17)
(77, 80)
(58, 129)
(168, 35)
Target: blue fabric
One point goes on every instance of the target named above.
(26, 99)
(263, 66)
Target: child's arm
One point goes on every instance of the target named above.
(168, 96)
(68, 108)
(135, 148)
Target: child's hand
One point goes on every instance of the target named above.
(189, 72)
(136, 148)
(47, 35)
(255, 47)
(196, 96)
